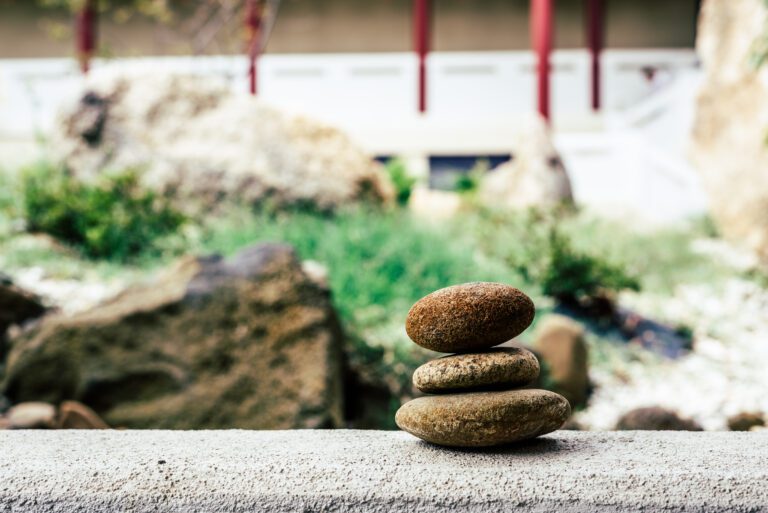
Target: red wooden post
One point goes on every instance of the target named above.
(85, 34)
(253, 10)
(541, 35)
(595, 44)
(421, 37)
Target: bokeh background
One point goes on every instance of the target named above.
(216, 214)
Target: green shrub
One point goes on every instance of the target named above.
(401, 179)
(570, 275)
(542, 247)
(114, 218)
(470, 181)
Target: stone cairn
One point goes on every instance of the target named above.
(478, 398)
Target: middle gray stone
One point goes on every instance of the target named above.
(505, 367)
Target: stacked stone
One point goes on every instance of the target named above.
(478, 398)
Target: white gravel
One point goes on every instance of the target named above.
(725, 374)
(66, 295)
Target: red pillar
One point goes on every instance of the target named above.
(541, 35)
(85, 34)
(421, 36)
(253, 10)
(595, 44)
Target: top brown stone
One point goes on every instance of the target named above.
(469, 317)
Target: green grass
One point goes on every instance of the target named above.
(379, 262)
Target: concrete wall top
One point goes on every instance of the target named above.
(375, 471)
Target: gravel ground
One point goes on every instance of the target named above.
(725, 374)
(67, 295)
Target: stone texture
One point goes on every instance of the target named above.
(561, 346)
(728, 144)
(655, 418)
(248, 342)
(535, 177)
(32, 415)
(75, 415)
(480, 419)
(193, 137)
(469, 317)
(503, 367)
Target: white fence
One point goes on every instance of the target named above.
(354, 90)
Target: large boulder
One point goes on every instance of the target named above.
(534, 177)
(246, 342)
(729, 137)
(193, 137)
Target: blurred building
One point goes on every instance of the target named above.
(341, 26)
(615, 65)
(480, 46)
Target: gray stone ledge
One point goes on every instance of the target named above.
(375, 471)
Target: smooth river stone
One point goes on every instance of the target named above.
(501, 367)
(480, 419)
(469, 317)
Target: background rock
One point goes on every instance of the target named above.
(193, 137)
(534, 177)
(729, 137)
(247, 342)
(32, 415)
(5, 404)
(74, 415)
(655, 418)
(17, 306)
(560, 344)
(746, 421)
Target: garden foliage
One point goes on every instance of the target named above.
(113, 218)
(402, 180)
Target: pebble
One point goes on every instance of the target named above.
(469, 317)
(501, 367)
(479, 419)
(75, 415)
(32, 415)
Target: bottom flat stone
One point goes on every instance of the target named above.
(480, 419)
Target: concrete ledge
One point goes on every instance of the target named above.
(375, 471)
